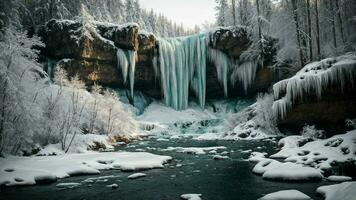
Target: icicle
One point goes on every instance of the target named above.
(314, 78)
(222, 63)
(182, 63)
(126, 60)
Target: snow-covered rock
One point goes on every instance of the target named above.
(257, 156)
(286, 195)
(292, 172)
(313, 78)
(194, 150)
(264, 165)
(29, 170)
(136, 175)
(191, 196)
(344, 191)
(220, 157)
(320, 153)
(339, 178)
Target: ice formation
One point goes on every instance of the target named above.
(181, 65)
(126, 60)
(182, 62)
(314, 78)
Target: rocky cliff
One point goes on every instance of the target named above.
(91, 53)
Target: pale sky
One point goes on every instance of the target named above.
(188, 12)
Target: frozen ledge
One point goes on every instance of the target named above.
(30, 170)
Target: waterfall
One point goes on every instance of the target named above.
(181, 64)
(126, 60)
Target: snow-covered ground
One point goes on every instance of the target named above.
(29, 170)
(344, 191)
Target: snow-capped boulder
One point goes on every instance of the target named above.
(322, 94)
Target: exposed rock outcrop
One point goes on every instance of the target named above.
(321, 94)
(92, 55)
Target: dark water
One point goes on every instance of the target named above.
(214, 179)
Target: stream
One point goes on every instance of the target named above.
(186, 173)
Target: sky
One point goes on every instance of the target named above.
(187, 12)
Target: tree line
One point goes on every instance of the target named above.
(308, 30)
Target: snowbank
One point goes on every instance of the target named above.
(313, 78)
(339, 178)
(29, 170)
(344, 191)
(320, 153)
(81, 144)
(286, 195)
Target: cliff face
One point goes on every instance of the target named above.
(91, 54)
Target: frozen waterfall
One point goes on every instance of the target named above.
(181, 65)
(126, 60)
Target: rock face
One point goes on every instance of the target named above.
(91, 53)
(232, 41)
(328, 113)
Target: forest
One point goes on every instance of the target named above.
(117, 99)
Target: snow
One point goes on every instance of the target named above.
(191, 196)
(344, 191)
(28, 170)
(158, 113)
(339, 178)
(313, 78)
(68, 185)
(252, 123)
(292, 172)
(256, 156)
(80, 144)
(265, 164)
(319, 153)
(137, 175)
(194, 150)
(286, 195)
(220, 157)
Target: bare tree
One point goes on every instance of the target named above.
(309, 32)
(297, 27)
(338, 11)
(233, 8)
(317, 28)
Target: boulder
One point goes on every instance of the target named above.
(124, 36)
(328, 113)
(231, 40)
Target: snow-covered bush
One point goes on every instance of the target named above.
(312, 132)
(351, 123)
(256, 121)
